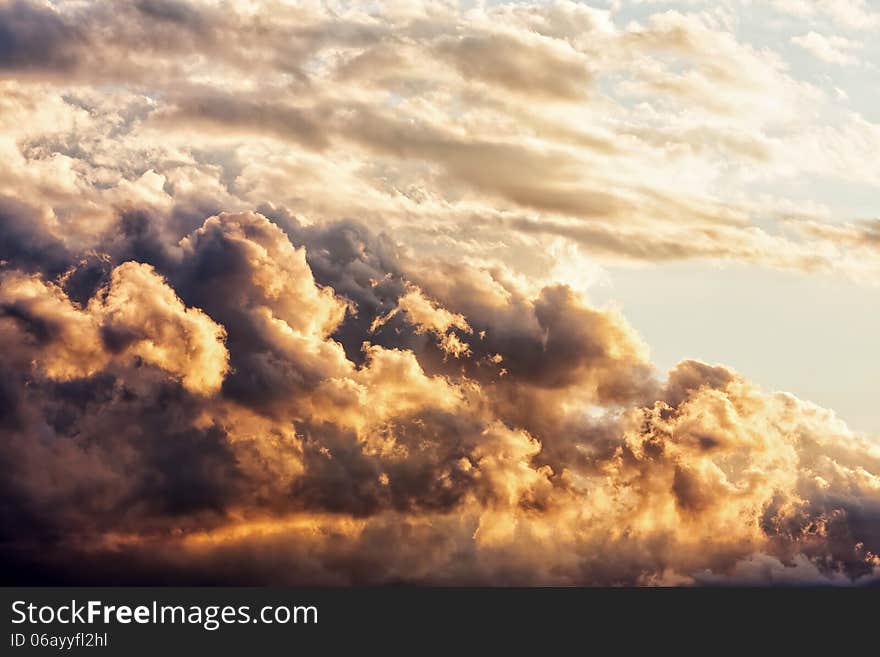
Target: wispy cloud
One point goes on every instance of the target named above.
(831, 49)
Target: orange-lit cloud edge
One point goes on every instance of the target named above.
(209, 376)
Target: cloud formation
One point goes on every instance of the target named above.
(183, 432)
(431, 120)
(137, 316)
(834, 50)
(211, 375)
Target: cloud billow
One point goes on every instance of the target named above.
(183, 426)
(280, 299)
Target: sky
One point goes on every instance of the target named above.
(434, 292)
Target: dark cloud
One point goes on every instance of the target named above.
(416, 467)
(358, 264)
(26, 242)
(37, 38)
(170, 11)
(194, 392)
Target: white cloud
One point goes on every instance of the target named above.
(831, 49)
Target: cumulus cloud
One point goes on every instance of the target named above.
(276, 304)
(137, 316)
(134, 431)
(427, 316)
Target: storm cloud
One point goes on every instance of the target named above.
(277, 302)
(187, 426)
